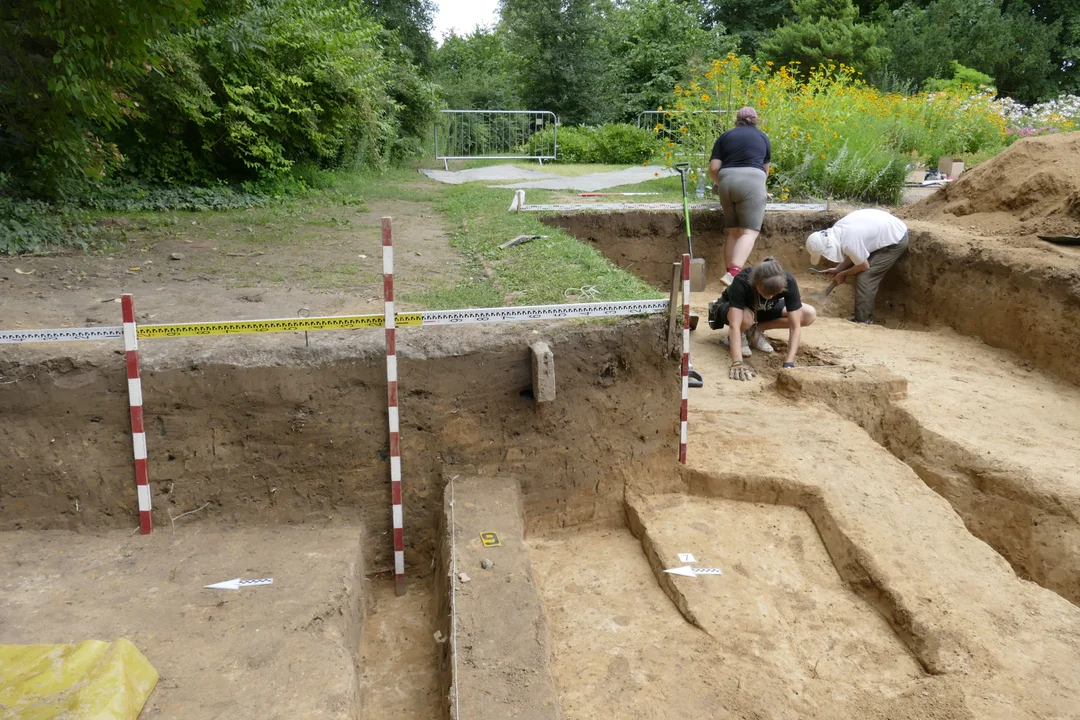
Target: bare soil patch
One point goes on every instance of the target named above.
(285, 650)
(1031, 188)
(259, 263)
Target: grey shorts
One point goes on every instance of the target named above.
(742, 195)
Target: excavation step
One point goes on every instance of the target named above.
(497, 654)
(954, 602)
(999, 441)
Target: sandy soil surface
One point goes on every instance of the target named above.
(953, 600)
(1031, 188)
(399, 656)
(331, 265)
(285, 650)
(776, 624)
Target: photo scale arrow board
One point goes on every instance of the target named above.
(687, 571)
(237, 583)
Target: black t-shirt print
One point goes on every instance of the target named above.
(744, 146)
(739, 294)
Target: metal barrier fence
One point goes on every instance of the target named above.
(502, 134)
(666, 124)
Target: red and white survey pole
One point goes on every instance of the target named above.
(685, 356)
(392, 403)
(135, 398)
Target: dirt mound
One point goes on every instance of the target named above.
(1031, 188)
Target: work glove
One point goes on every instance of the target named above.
(741, 371)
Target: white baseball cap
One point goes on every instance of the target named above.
(823, 244)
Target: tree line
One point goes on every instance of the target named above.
(259, 92)
(594, 61)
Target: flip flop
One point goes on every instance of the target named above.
(696, 380)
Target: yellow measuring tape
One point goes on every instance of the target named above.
(240, 327)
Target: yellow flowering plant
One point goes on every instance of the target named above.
(832, 134)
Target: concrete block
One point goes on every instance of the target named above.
(543, 372)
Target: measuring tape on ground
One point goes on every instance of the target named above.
(241, 327)
(61, 334)
(659, 206)
(345, 322)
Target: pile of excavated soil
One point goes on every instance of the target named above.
(1033, 188)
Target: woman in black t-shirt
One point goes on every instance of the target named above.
(763, 297)
(740, 164)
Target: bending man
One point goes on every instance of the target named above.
(866, 243)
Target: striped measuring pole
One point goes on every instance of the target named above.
(685, 356)
(392, 404)
(138, 431)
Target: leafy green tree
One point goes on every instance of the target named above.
(560, 56)
(652, 43)
(285, 82)
(1010, 44)
(67, 70)
(476, 71)
(964, 78)
(750, 20)
(413, 21)
(826, 31)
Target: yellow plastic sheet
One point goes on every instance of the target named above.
(92, 680)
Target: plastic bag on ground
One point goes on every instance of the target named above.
(91, 680)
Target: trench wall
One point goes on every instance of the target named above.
(281, 436)
(980, 289)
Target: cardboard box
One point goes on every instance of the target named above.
(950, 166)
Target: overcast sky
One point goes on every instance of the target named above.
(463, 15)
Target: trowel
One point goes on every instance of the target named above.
(820, 297)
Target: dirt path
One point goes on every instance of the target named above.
(328, 259)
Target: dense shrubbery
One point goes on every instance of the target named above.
(249, 96)
(833, 134)
(30, 226)
(66, 70)
(614, 143)
(204, 91)
(133, 197)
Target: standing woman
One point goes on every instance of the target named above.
(739, 168)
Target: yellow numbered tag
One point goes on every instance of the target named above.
(490, 539)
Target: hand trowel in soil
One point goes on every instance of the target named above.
(820, 297)
(697, 265)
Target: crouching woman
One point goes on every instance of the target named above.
(762, 297)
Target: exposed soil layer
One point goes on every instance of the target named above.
(647, 243)
(953, 601)
(622, 649)
(286, 650)
(1023, 296)
(1031, 188)
(264, 431)
(1014, 479)
(495, 662)
(398, 653)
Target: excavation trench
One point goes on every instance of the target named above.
(848, 587)
(1007, 300)
(1028, 510)
(276, 455)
